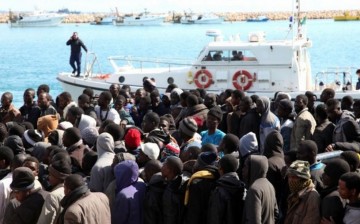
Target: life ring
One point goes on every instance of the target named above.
(203, 79)
(103, 76)
(242, 80)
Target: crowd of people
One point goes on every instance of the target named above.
(182, 157)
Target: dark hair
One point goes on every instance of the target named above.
(44, 88)
(74, 181)
(333, 103)
(3, 132)
(66, 96)
(89, 92)
(84, 97)
(175, 164)
(303, 98)
(320, 111)
(192, 100)
(153, 118)
(229, 163)
(107, 95)
(115, 131)
(352, 158)
(76, 111)
(32, 159)
(238, 94)
(352, 181)
(184, 95)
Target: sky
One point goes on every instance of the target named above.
(127, 6)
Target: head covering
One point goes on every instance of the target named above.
(300, 169)
(105, 144)
(171, 149)
(132, 138)
(188, 126)
(208, 147)
(65, 125)
(55, 137)
(205, 159)
(32, 136)
(39, 150)
(335, 168)
(286, 104)
(216, 112)
(273, 145)
(6, 153)
(47, 124)
(23, 179)
(89, 135)
(15, 143)
(126, 173)
(60, 169)
(177, 91)
(248, 144)
(86, 121)
(151, 150)
(150, 82)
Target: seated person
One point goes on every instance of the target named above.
(240, 55)
(208, 57)
(217, 56)
(235, 56)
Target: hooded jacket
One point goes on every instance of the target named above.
(261, 206)
(130, 194)
(199, 113)
(268, 122)
(101, 175)
(199, 191)
(227, 201)
(274, 152)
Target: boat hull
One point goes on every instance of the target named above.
(206, 21)
(38, 21)
(134, 21)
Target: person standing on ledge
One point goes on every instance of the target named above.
(75, 55)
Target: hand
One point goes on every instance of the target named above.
(327, 221)
(329, 148)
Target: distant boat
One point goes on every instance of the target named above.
(143, 19)
(346, 17)
(108, 20)
(194, 18)
(35, 19)
(258, 19)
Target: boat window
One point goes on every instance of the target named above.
(242, 55)
(214, 56)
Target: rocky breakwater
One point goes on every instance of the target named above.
(229, 16)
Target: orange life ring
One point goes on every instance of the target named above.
(242, 80)
(203, 79)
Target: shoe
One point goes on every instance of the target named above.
(73, 72)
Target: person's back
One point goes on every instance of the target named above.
(260, 203)
(227, 200)
(130, 194)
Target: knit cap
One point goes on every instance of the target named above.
(132, 138)
(286, 104)
(171, 149)
(188, 126)
(33, 136)
(248, 144)
(89, 135)
(336, 167)
(60, 169)
(151, 150)
(15, 143)
(150, 82)
(216, 112)
(206, 158)
(23, 179)
(300, 169)
(177, 91)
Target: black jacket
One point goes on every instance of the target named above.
(227, 201)
(153, 200)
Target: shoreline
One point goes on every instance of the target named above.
(229, 16)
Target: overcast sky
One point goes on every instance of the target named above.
(177, 5)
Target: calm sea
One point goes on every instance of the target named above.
(32, 56)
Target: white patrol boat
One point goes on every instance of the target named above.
(257, 66)
(35, 19)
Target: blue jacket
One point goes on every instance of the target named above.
(130, 194)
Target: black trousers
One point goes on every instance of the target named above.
(76, 58)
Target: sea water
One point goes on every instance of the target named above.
(33, 56)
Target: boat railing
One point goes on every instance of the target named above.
(121, 63)
(337, 78)
(90, 61)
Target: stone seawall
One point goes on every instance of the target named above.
(229, 16)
